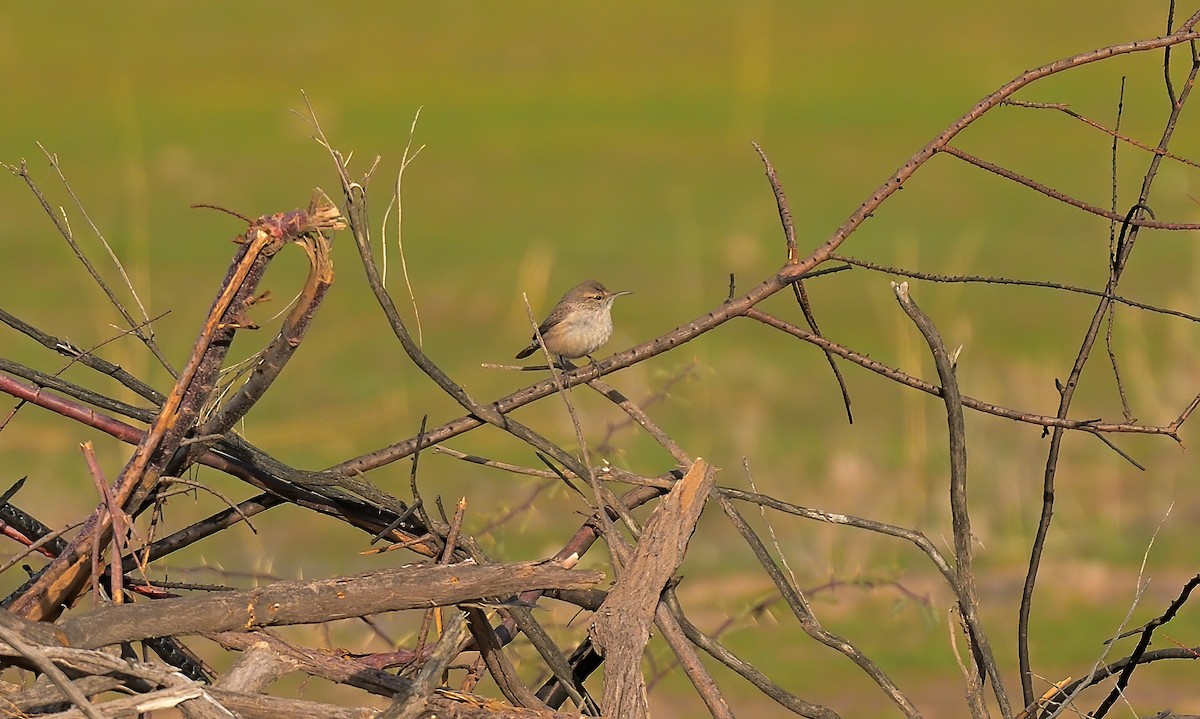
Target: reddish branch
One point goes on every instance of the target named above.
(62, 580)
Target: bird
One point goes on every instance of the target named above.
(578, 325)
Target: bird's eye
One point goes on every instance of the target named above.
(595, 296)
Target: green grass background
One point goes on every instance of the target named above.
(573, 141)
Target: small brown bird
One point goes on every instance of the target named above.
(579, 324)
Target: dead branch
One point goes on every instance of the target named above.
(299, 602)
(622, 624)
(968, 597)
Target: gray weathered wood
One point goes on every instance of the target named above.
(622, 624)
(310, 602)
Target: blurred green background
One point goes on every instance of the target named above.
(572, 141)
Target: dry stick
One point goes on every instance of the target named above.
(257, 667)
(111, 672)
(163, 700)
(968, 598)
(917, 538)
(604, 446)
(450, 539)
(1066, 688)
(995, 280)
(88, 359)
(569, 554)
(41, 695)
(71, 409)
(1084, 425)
(104, 672)
(781, 203)
(136, 328)
(22, 171)
(72, 352)
(120, 524)
(455, 527)
(747, 670)
(808, 621)
(793, 257)
(190, 487)
(1113, 243)
(498, 665)
(1062, 196)
(675, 637)
(972, 676)
(264, 472)
(1170, 88)
(521, 616)
(893, 184)
(801, 294)
(1068, 388)
(46, 381)
(560, 668)
(663, 481)
(35, 546)
(1156, 161)
(312, 602)
(639, 416)
(1120, 452)
(762, 512)
(43, 380)
(52, 672)
(1115, 134)
(670, 621)
(207, 527)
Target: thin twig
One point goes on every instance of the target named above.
(1113, 246)
(1083, 425)
(808, 621)
(994, 280)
